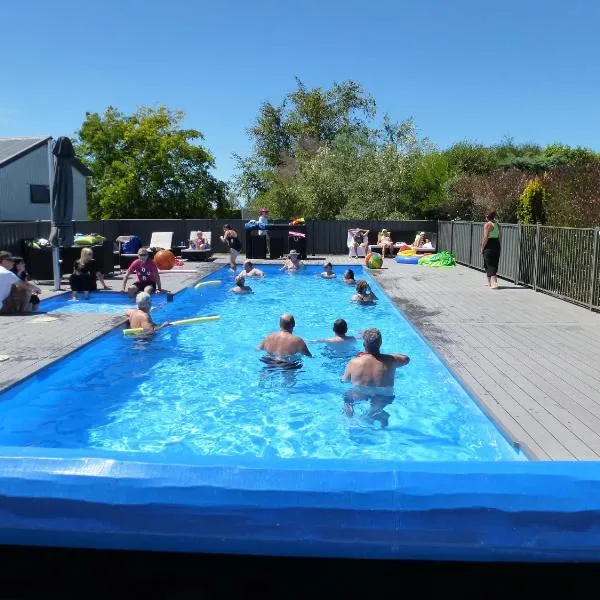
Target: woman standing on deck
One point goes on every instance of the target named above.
(490, 248)
(230, 238)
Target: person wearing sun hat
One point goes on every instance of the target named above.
(292, 262)
(264, 219)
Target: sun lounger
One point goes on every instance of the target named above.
(362, 248)
(200, 254)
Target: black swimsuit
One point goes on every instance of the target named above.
(234, 243)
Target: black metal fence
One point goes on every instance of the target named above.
(561, 261)
(322, 237)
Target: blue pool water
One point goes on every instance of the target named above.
(98, 302)
(201, 390)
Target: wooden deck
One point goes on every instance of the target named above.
(532, 361)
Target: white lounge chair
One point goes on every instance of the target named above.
(162, 240)
(198, 254)
(362, 248)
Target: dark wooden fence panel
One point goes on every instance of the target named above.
(12, 234)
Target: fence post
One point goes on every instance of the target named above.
(471, 246)
(536, 257)
(451, 236)
(518, 254)
(595, 266)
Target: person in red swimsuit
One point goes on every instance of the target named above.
(147, 274)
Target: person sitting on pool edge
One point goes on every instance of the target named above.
(372, 375)
(292, 262)
(282, 347)
(147, 274)
(140, 317)
(240, 285)
(328, 272)
(340, 328)
(349, 277)
(363, 295)
(251, 271)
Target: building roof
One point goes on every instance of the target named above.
(12, 149)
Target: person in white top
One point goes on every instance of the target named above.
(15, 294)
(262, 218)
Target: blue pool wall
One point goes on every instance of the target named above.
(534, 511)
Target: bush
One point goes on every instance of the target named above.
(532, 204)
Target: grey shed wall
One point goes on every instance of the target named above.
(32, 169)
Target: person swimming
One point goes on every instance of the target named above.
(340, 328)
(363, 295)
(328, 272)
(240, 285)
(282, 348)
(349, 277)
(139, 318)
(372, 376)
(251, 271)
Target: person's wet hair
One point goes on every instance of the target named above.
(372, 340)
(362, 286)
(340, 327)
(328, 265)
(248, 263)
(349, 274)
(240, 280)
(287, 322)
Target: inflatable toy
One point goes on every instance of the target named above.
(408, 260)
(374, 260)
(165, 260)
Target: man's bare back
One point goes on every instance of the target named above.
(139, 319)
(284, 343)
(369, 370)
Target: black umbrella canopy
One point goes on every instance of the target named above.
(61, 233)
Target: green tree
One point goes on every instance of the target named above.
(531, 208)
(146, 166)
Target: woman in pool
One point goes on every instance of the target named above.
(292, 262)
(240, 285)
(85, 273)
(490, 248)
(328, 272)
(363, 295)
(232, 241)
(349, 277)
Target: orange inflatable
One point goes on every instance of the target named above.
(165, 260)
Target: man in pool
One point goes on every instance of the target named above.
(251, 271)
(240, 286)
(340, 328)
(372, 375)
(140, 317)
(282, 347)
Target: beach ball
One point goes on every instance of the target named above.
(373, 260)
(164, 260)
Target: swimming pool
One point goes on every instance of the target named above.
(71, 475)
(98, 302)
(201, 389)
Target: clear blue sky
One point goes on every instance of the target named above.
(464, 69)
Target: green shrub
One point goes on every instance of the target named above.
(532, 204)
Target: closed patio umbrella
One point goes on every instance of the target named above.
(61, 233)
